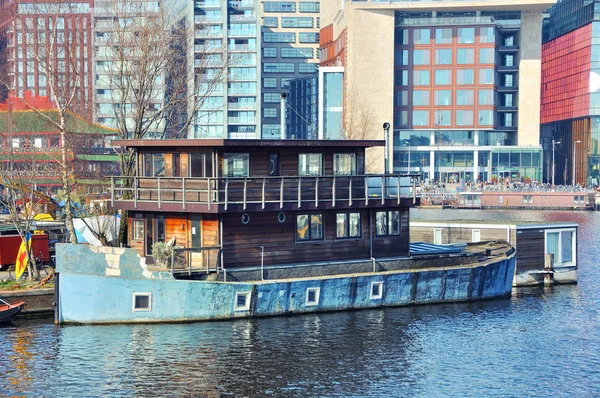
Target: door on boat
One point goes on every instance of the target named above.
(437, 236)
(196, 241)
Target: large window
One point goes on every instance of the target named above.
(443, 97)
(486, 76)
(420, 57)
(310, 164)
(309, 227)
(236, 165)
(279, 6)
(486, 117)
(138, 230)
(420, 118)
(443, 77)
(422, 36)
(487, 35)
(443, 56)
(421, 97)
(443, 36)
(562, 245)
(200, 164)
(466, 35)
(465, 76)
(421, 78)
(486, 55)
(154, 165)
(443, 118)
(344, 164)
(388, 223)
(464, 118)
(347, 225)
(464, 97)
(465, 56)
(485, 97)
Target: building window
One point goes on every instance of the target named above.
(347, 225)
(279, 37)
(443, 36)
(562, 245)
(388, 223)
(401, 98)
(279, 67)
(287, 52)
(307, 68)
(486, 76)
(466, 35)
(485, 97)
(344, 164)
(421, 97)
(270, 82)
(309, 227)
(270, 112)
(273, 164)
(269, 52)
(270, 22)
(200, 164)
(487, 35)
(422, 36)
(443, 77)
(142, 302)
(465, 76)
(279, 6)
(509, 80)
(420, 118)
(236, 165)
(443, 97)
(296, 22)
(138, 230)
(420, 57)
(464, 97)
(376, 290)
(420, 77)
(508, 119)
(242, 301)
(465, 56)
(500, 199)
(154, 164)
(443, 56)
(443, 118)
(312, 296)
(464, 118)
(486, 55)
(309, 6)
(270, 98)
(310, 164)
(308, 37)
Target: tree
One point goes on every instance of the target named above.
(361, 124)
(155, 89)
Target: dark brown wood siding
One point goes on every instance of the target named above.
(242, 242)
(530, 249)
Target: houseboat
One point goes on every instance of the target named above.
(265, 227)
(528, 200)
(546, 252)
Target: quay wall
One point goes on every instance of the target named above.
(97, 286)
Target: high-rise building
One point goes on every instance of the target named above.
(570, 113)
(459, 82)
(48, 45)
(290, 41)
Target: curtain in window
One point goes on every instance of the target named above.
(316, 226)
(566, 246)
(552, 245)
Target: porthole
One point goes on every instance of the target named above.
(245, 218)
(281, 216)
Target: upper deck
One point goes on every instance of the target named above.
(216, 176)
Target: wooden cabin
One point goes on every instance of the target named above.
(243, 203)
(533, 240)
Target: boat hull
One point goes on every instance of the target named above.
(101, 293)
(9, 312)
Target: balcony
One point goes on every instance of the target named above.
(242, 18)
(176, 194)
(445, 21)
(241, 3)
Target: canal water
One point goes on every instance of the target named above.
(541, 342)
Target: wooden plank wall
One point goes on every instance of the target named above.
(242, 242)
(173, 226)
(532, 245)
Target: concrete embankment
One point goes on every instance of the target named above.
(38, 302)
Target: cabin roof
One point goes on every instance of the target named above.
(230, 143)
(492, 224)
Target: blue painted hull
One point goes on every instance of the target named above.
(94, 288)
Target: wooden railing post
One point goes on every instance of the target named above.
(263, 192)
(226, 192)
(299, 191)
(333, 193)
(281, 194)
(183, 191)
(209, 193)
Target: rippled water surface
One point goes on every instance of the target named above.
(541, 342)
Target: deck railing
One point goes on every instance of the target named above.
(262, 190)
(191, 260)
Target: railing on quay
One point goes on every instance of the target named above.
(263, 190)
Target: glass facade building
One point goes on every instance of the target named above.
(303, 115)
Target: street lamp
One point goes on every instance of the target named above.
(498, 164)
(553, 144)
(574, 153)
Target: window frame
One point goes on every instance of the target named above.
(573, 245)
(134, 308)
(134, 230)
(315, 302)
(379, 295)
(246, 306)
(307, 163)
(347, 216)
(309, 229)
(226, 171)
(388, 224)
(339, 159)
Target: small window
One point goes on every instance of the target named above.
(309, 227)
(500, 199)
(310, 164)
(138, 229)
(376, 290)
(242, 301)
(347, 225)
(388, 223)
(273, 164)
(312, 296)
(527, 198)
(142, 301)
(344, 164)
(236, 165)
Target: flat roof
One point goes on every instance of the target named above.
(491, 224)
(241, 143)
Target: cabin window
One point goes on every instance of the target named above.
(138, 229)
(309, 227)
(312, 296)
(388, 223)
(344, 164)
(236, 165)
(347, 225)
(142, 302)
(273, 164)
(242, 301)
(310, 164)
(579, 199)
(200, 164)
(527, 198)
(500, 199)
(562, 245)
(376, 290)
(154, 164)
(176, 165)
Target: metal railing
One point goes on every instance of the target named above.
(261, 190)
(189, 260)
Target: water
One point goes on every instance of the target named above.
(541, 342)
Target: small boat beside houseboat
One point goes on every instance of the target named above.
(9, 310)
(262, 228)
